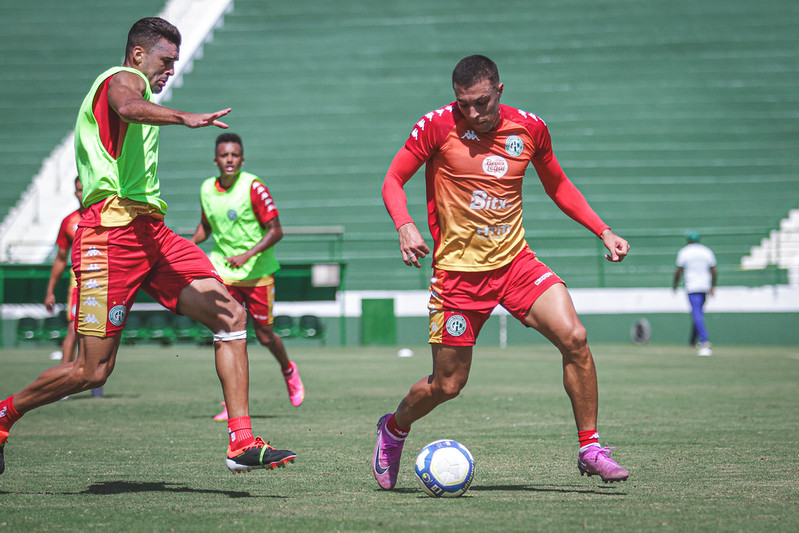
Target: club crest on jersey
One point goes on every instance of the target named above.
(117, 315)
(514, 146)
(232, 215)
(495, 165)
(456, 325)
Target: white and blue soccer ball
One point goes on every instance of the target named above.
(444, 469)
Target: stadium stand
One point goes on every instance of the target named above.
(668, 115)
(48, 65)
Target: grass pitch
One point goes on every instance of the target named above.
(711, 444)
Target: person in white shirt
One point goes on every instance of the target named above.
(696, 263)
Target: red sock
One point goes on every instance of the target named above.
(240, 430)
(394, 430)
(8, 415)
(589, 436)
(288, 372)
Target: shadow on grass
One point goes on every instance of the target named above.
(602, 490)
(86, 395)
(106, 488)
(125, 487)
(608, 490)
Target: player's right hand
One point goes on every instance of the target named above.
(49, 302)
(194, 120)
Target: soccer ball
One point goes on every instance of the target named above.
(444, 469)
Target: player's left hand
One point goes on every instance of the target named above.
(412, 245)
(617, 246)
(237, 261)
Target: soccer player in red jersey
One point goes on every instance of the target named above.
(122, 245)
(476, 151)
(66, 234)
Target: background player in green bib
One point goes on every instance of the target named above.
(238, 209)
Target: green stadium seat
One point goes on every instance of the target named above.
(136, 328)
(283, 326)
(161, 327)
(189, 330)
(311, 327)
(55, 327)
(29, 329)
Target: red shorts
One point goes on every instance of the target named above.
(461, 302)
(258, 300)
(112, 264)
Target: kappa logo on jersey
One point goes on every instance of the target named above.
(495, 165)
(514, 146)
(91, 301)
(268, 202)
(261, 190)
(427, 118)
(91, 319)
(3, 411)
(527, 114)
(456, 325)
(93, 252)
(93, 267)
(481, 200)
(470, 136)
(91, 284)
(117, 315)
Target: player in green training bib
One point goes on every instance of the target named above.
(238, 209)
(122, 246)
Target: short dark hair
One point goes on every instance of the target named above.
(148, 31)
(229, 138)
(472, 69)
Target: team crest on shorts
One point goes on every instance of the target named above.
(514, 146)
(117, 315)
(456, 325)
(232, 215)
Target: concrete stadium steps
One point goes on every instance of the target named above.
(665, 126)
(668, 116)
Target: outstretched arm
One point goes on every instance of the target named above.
(125, 96)
(402, 168)
(572, 202)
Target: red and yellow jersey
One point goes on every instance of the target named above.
(474, 184)
(66, 233)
